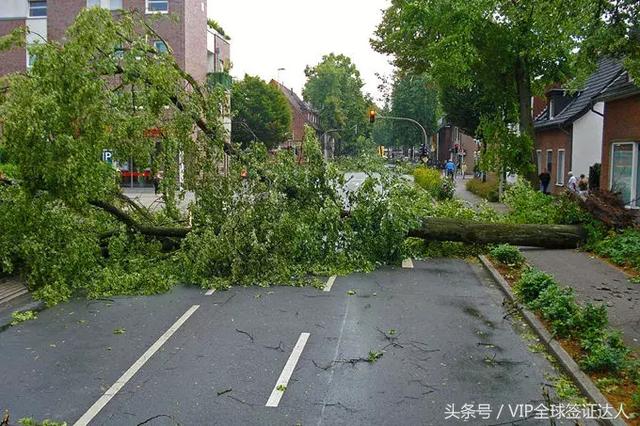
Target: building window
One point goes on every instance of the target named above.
(539, 161)
(160, 46)
(110, 4)
(31, 59)
(157, 6)
(38, 8)
(560, 171)
(625, 172)
(549, 161)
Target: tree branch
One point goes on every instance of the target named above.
(153, 231)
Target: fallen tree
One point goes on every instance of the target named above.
(272, 219)
(545, 236)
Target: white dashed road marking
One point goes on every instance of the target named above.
(119, 384)
(407, 264)
(329, 284)
(283, 380)
(210, 292)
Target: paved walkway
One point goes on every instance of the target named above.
(463, 194)
(593, 280)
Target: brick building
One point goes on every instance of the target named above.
(454, 144)
(198, 49)
(303, 115)
(621, 139)
(568, 131)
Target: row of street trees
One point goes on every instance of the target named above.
(334, 88)
(488, 57)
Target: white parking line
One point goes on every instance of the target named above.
(329, 284)
(283, 380)
(407, 264)
(119, 384)
(210, 292)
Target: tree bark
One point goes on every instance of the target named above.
(523, 85)
(153, 231)
(545, 236)
(433, 229)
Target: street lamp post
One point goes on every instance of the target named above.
(424, 132)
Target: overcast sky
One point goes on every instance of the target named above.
(291, 34)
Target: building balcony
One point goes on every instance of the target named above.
(219, 79)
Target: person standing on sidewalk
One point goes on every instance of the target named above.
(573, 183)
(545, 178)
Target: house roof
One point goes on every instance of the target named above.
(620, 88)
(296, 102)
(607, 71)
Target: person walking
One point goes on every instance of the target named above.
(463, 169)
(545, 179)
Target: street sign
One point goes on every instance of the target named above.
(107, 156)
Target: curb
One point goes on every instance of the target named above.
(5, 320)
(581, 380)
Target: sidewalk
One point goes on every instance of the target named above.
(473, 199)
(592, 279)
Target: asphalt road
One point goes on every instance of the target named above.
(437, 332)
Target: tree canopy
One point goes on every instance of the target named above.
(415, 97)
(506, 49)
(334, 88)
(260, 113)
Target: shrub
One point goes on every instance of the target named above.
(635, 399)
(558, 306)
(530, 206)
(508, 255)
(605, 351)
(432, 181)
(622, 248)
(591, 319)
(489, 190)
(532, 283)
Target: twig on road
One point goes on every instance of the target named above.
(280, 347)
(246, 334)
(157, 417)
(224, 392)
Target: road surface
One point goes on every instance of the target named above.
(394, 347)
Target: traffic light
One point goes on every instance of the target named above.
(372, 116)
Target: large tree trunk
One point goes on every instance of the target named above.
(545, 236)
(523, 85)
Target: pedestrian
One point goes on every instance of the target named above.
(450, 167)
(157, 178)
(583, 184)
(545, 179)
(463, 168)
(572, 185)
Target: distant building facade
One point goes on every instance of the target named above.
(303, 115)
(452, 143)
(188, 35)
